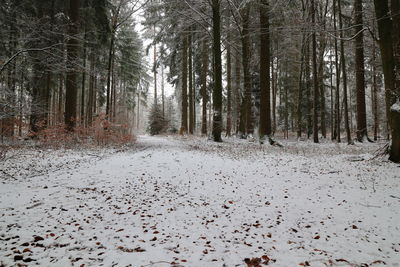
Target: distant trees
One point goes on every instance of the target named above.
(306, 67)
(287, 71)
(66, 63)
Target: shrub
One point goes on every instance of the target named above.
(157, 122)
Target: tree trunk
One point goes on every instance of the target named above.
(217, 92)
(274, 86)
(229, 87)
(110, 62)
(315, 78)
(89, 112)
(332, 119)
(300, 84)
(238, 93)
(184, 118)
(344, 74)
(321, 85)
(309, 90)
(83, 104)
(374, 94)
(191, 110)
(390, 53)
(286, 100)
(72, 74)
(359, 69)
(265, 79)
(337, 74)
(204, 74)
(155, 66)
(246, 69)
(162, 91)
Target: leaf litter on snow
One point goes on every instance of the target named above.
(195, 203)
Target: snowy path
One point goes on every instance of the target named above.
(196, 203)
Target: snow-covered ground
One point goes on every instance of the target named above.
(191, 202)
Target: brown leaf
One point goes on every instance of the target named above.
(38, 238)
(265, 257)
(139, 249)
(343, 260)
(378, 262)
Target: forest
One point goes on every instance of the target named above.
(199, 132)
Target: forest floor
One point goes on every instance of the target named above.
(191, 202)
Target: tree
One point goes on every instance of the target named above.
(389, 43)
(344, 75)
(157, 122)
(72, 75)
(245, 127)
(217, 92)
(203, 91)
(184, 118)
(362, 133)
(265, 104)
(315, 78)
(229, 84)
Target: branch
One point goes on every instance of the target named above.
(24, 51)
(347, 39)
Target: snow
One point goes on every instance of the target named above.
(396, 106)
(194, 202)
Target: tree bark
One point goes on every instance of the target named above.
(315, 78)
(191, 103)
(204, 74)
(344, 74)
(246, 70)
(217, 92)
(337, 74)
(155, 66)
(83, 87)
(238, 93)
(360, 72)
(72, 74)
(184, 118)
(389, 46)
(229, 87)
(265, 79)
